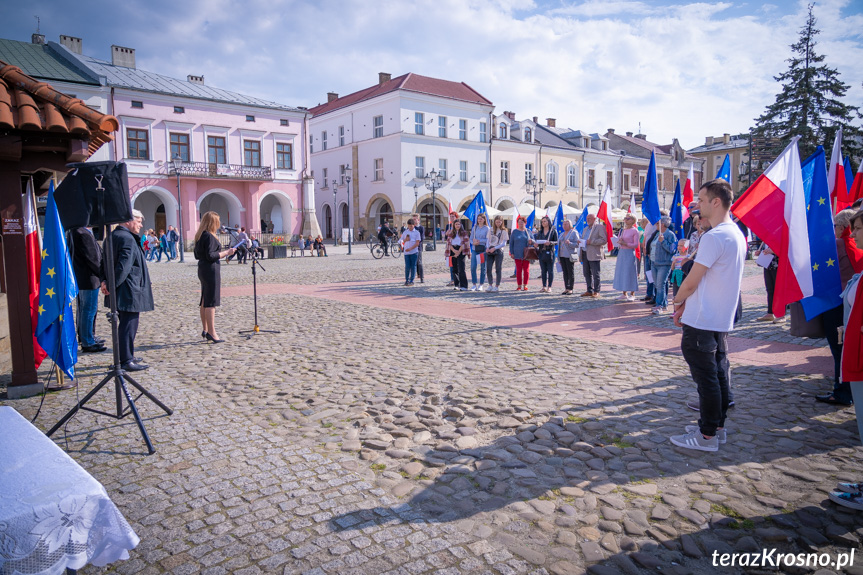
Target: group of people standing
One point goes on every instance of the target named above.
(165, 243)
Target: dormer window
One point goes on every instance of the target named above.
(527, 135)
(503, 132)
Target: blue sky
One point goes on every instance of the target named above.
(681, 69)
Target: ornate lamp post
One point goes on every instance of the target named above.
(350, 231)
(434, 181)
(537, 185)
(176, 163)
(416, 201)
(333, 216)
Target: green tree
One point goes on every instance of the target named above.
(809, 105)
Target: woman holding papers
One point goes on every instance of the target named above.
(208, 252)
(567, 248)
(626, 269)
(478, 244)
(545, 239)
(457, 248)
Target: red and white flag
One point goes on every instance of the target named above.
(688, 194)
(836, 184)
(605, 215)
(33, 250)
(774, 208)
(631, 209)
(855, 191)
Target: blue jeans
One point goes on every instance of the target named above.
(410, 267)
(172, 249)
(474, 261)
(88, 301)
(660, 278)
(651, 287)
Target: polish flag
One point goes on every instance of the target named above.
(688, 195)
(774, 208)
(839, 197)
(33, 250)
(631, 209)
(603, 214)
(856, 189)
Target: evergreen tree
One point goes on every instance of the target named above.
(809, 105)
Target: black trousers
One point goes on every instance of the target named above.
(459, 271)
(706, 352)
(493, 263)
(568, 272)
(832, 318)
(770, 284)
(546, 268)
(420, 274)
(591, 275)
(127, 329)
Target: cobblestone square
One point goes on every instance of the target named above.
(391, 429)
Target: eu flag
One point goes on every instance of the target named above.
(677, 212)
(725, 169)
(650, 195)
(822, 238)
(529, 223)
(581, 223)
(476, 207)
(55, 330)
(557, 224)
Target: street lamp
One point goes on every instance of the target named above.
(434, 181)
(176, 163)
(416, 202)
(536, 185)
(348, 180)
(333, 217)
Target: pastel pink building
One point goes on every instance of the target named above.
(240, 156)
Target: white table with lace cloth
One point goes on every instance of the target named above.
(54, 515)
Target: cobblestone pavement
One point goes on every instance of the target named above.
(363, 439)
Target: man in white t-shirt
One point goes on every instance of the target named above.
(704, 307)
(411, 240)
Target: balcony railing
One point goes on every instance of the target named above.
(230, 171)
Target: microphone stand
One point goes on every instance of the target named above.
(249, 333)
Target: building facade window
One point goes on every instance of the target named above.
(326, 183)
(216, 153)
(342, 170)
(551, 174)
(528, 173)
(462, 129)
(462, 171)
(379, 126)
(441, 126)
(641, 181)
(179, 110)
(341, 135)
(591, 179)
(527, 135)
(419, 123)
(659, 182)
(420, 172)
(323, 140)
(137, 104)
(441, 168)
(311, 144)
(483, 173)
(504, 172)
(251, 153)
(379, 169)
(503, 132)
(283, 122)
(138, 144)
(571, 177)
(626, 182)
(250, 118)
(609, 180)
(284, 156)
(180, 146)
(483, 132)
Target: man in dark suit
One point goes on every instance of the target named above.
(134, 294)
(86, 264)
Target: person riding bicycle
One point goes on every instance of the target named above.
(383, 235)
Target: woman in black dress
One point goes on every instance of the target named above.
(208, 252)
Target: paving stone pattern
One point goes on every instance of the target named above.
(362, 440)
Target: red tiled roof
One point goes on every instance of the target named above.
(409, 82)
(32, 106)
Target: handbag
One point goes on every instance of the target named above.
(480, 249)
(530, 254)
(802, 328)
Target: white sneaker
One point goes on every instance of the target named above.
(694, 440)
(721, 434)
(473, 288)
(481, 288)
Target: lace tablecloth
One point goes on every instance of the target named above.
(53, 514)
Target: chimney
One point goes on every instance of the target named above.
(708, 141)
(641, 136)
(384, 77)
(332, 96)
(195, 79)
(535, 120)
(37, 38)
(124, 57)
(726, 138)
(550, 122)
(629, 134)
(510, 115)
(71, 42)
(610, 131)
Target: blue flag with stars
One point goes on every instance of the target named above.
(55, 330)
(725, 170)
(822, 238)
(529, 222)
(476, 207)
(650, 195)
(677, 212)
(557, 224)
(581, 223)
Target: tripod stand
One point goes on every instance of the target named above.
(116, 373)
(256, 330)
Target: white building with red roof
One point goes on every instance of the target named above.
(386, 138)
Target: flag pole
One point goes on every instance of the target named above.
(61, 380)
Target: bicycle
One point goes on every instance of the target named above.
(394, 248)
